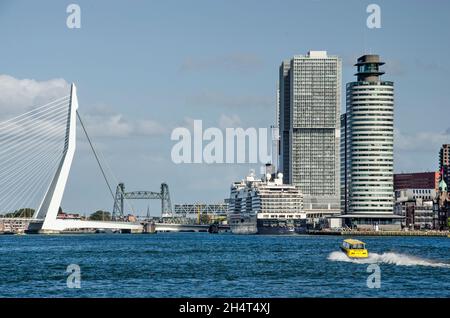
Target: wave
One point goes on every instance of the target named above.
(388, 258)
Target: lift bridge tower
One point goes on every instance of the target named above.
(121, 195)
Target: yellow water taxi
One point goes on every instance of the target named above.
(354, 248)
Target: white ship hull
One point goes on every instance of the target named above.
(244, 225)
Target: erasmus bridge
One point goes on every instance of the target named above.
(35, 161)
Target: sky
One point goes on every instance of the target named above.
(143, 68)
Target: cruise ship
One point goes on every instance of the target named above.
(265, 206)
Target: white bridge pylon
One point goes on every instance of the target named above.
(45, 218)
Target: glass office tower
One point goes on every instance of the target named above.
(309, 88)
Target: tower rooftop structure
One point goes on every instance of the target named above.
(368, 68)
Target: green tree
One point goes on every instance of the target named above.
(100, 216)
(21, 213)
(204, 219)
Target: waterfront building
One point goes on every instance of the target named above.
(415, 194)
(369, 154)
(309, 106)
(416, 180)
(416, 206)
(14, 225)
(265, 206)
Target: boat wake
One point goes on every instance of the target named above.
(387, 258)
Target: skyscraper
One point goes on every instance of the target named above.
(369, 156)
(444, 162)
(309, 90)
(443, 200)
(344, 164)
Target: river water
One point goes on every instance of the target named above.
(220, 265)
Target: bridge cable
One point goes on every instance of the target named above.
(30, 152)
(96, 157)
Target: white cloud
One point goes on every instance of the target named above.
(20, 95)
(232, 121)
(110, 124)
(421, 141)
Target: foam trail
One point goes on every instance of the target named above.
(387, 258)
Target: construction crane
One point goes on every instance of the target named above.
(121, 195)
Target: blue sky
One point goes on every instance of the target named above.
(145, 67)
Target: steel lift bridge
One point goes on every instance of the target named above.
(121, 195)
(36, 153)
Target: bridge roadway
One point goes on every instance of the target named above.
(133, 227)
(67, 224)
(169, 227)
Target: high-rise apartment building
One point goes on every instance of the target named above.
(444, 162)
(309, 105)
(344, 164)
(369, 156)
(442, 205)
